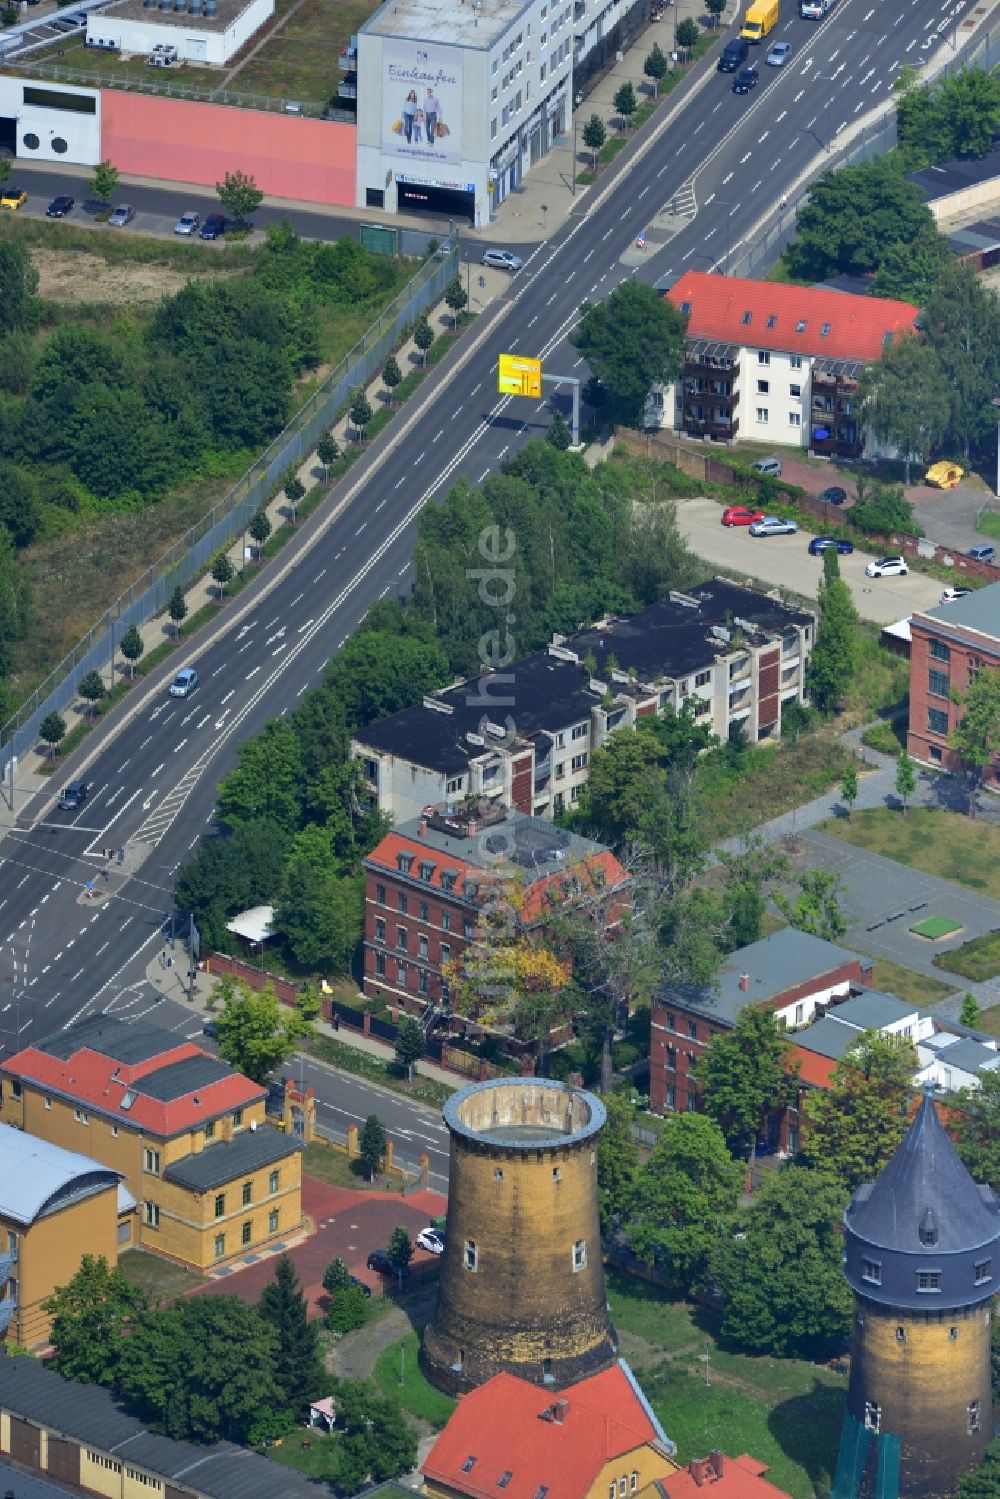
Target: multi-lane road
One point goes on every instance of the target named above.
(699, 182)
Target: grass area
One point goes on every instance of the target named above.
(989, 1021)
(161, 1280)
(333, 1166)
(888, 736)
(989, 524)
(193, 257)
(935, 927)
(415, 1394)
(313, 1454)
(301, 60)
(915, 988)
(770, 923)
(99, 68)
(774, 779)
(946, 844)
(978, 959)
(363, 1064)
(786, 1412)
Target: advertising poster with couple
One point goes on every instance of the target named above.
(422, 102)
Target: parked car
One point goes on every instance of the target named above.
(887, 567)
(773, 525)
(431, 1240)
(746, 79)
(214, 226)
(211, 1030)
(122, 215)
(834, 495)
(983, 553)
(778, 55)
(740, 515)
(59, 207)
(769, 466)
(820, 544)
(362, 1285)
(188, 223)
(74, 796)
(12, 198)
(380, 1262)
(951, 594)
(502, 260)
(184, 683)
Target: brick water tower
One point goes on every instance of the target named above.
(522, 1283)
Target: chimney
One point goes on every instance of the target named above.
(696, 1468)
(560, 1411)
(422, 828)
(744, 982)
(718, 1461)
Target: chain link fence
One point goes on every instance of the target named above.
(219, 528)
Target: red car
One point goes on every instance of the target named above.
(739, 515)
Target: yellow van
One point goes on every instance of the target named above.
(761, 17)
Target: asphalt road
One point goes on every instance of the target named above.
(154, 768)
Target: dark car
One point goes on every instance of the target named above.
(214, 226)
(834, 495)
(379, 1261)
(821, 544)
(746, 79)
(74, 796)
(59, 207)
(362, 1285)
(734, 55)
(211, 1030)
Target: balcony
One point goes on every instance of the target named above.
(712, 391)
(348, 59)
(347, 88)
(722, 429)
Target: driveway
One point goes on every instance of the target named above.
(948, 516)
(785, 561)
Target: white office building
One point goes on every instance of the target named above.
(207, 32)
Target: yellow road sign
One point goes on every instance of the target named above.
(519, 376)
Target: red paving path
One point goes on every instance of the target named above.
(348, 1223)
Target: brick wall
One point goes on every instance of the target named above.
(932, 679)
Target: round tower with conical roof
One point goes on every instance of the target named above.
(922, 1256)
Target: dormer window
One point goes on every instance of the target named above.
(825, 330)
(746, 319)
(800, 326)
(404, 863)
(772, 320)
(685, 309)
(426, 871)
(448, 879)
(468, 1465)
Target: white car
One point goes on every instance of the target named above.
(887, 567)
(778, 55)
(502, 260)
(951, 594)
(773, 525)
(431, 1240)
(188, 223)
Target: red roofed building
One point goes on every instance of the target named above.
(776, 363)
(726, 1478)
(596, 1439)
(188, 1133)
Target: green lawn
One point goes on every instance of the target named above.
(945, 844)
(906, 983)
(415, 1394)
(989, 1021)
(989, 523)
(161, 1280)
(978, 959)
(333, 1166)
(774, 779)
(301, 60)
(933, 928)
(311, 1453)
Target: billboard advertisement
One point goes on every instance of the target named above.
(421, 101)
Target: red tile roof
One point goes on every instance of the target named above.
(88, 1079)
(503, 1427)
(741, 1478)
(719, 304)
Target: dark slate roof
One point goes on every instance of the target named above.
(178, 1079)
(218, 1164)
(953, 176)
(91, 1415)
(827, 1038)
(924, 1176)
(137, 1041)
(19, 1484)
(872, 1010)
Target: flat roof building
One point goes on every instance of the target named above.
(206, 32)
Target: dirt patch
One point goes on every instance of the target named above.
(65, 276)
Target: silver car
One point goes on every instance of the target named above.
(188, 223)
(123, 214)
(778, 55)
(773, 525)
(502, 260)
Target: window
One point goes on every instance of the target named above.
(873, 1415)
(421, 946)
(953, 1334)
(446, 921)
(48, 1103)
(401, 938)
(935, 752)
(380, 894)
(900, 1334)
(556, 1174)
(671, 1021)
(471, 1260)
(220, 1204)
(219, 1246)
(498, 1173)
(795, 390)
(763, 387)
(422, 981)
(771, 320)
(747, 319)
(633, 1481)
(237, 1119)
(426, 872)
(100, 1461)
(622, 1488)
(445, 952)
(272, 1221)
(580, 1255)
(692, 1030)
(468, 930)
(580, 732)
(114, 1132)
(379, 929)
(80, 1115)
(825, 330)
(246, 1232)
(984, 1271)
(795, 362)
(404, 863)
(210, 1130)
(425, 911)
(703, 678)
(937, 683)
(247, 1194)
(762, 415)
(973, 1414)
(144, 1479)
(800, 1011)
(763, 357)
(448, 880)
(468, 1465)
(273, 1181)
(671, 1058)
(402, 902)
(871, 1270)
(670, 1098)
(578, 761)
(939, 651)
(151, 1214)
(504, 1479)
(401, 973)
(794, 419)
(151, 1161)
(612, 1490)
(937, 721)
(928, 1280)
(380, 965)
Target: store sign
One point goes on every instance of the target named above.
(457, 187)
(421, 101)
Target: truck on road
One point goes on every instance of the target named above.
(761, 18)
(814, 10)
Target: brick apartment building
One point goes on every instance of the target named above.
(948, 645)
(791, 972)
(426, 882)
(525, 736)
(776, 363)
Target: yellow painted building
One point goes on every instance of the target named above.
(187, 1132)
(55, 1207)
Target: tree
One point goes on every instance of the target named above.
(423, 337)
(231, 873)
(954, 117)
(856, 1124)
(833, 664)
(410, 1043)
(327, 451)
(319, 912)
(632, 340)
(132, 646)
(18, 286)
(782, 1278)
(617, 1158)
(177, 608)
(348, 1310)
(559, 434)
(982, 1482)
(104, 183)
(909, 272)
(239, 195)
(259, 529)
(687, 33)
(745, 1072)
(266, 785)
(336, 1277)
(376, 1443)
(392, 376)
(298, 1368)
(361, 414)
(849, 786)
(594, 394)
(904, 401)
(970, 1011)
(92, 1316)
(625, 104)
(976, 736)
(372, 1145)
(975, 1114)
(684, 1194)
(295, 493)
(715, 9)
(52, 731)
(222, 572)
(852, 215)
(594, 136)
(455, 298)
(399, 1248)
(816, 908)
(961, 323)
(881, 509)
(906, 779)
(655, 67)
(256, 1032)
(92, 690)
